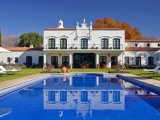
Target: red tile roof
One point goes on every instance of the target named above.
(23, 49)
(141, 49)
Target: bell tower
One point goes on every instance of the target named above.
(60, 24)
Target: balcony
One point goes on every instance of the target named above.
(78, 48)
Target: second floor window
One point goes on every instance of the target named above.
(84, 43)
(51, 43)
(116, 43)
(104, 43)
(63, 43)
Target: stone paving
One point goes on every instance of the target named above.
(145, 80)
(14, 82)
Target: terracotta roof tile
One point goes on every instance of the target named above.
(23, 49)
(141, 49)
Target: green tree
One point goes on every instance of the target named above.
(31, 38)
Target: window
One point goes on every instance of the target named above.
(104, 43)
(51, 43)
(65, 60)
(63, 96)
(84, 96)
(63, 43)
(84, 43)
(116, 96)
(136, 45)
(104, 96)
(116, 43)
(16, 60)
(51, 96)
(148, 45)
(102, 60)
(8, 59)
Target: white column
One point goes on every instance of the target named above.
(44, 59)
(109, 61)
(71, 60)
(97, 60)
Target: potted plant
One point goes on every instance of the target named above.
(75, 47)
(68, 69)
(56, 47)
(63, 69)
(96, 47)
(110, 47)
(117, 68)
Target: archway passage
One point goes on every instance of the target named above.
(86, 60)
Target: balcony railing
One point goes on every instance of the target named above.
(90, 46)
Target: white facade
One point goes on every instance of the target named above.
(21, 56)
(84, 46)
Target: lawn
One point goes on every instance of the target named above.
(141, 73)
(26, 72)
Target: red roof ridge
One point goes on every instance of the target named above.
(23, 49)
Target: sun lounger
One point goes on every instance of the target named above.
(4, 70)
(152, 70)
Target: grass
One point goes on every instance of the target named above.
(30, 71)
(141, 73)
(25, 72)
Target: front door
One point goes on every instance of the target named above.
(29, 61)
(150, 61)
(114, 61)
(138, 61)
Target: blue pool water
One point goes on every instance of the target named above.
(80, 97)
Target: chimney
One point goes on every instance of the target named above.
(31, 46)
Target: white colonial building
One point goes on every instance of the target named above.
(83, 46)
(86, 47)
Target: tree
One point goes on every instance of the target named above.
(31, 38)
(130, 32)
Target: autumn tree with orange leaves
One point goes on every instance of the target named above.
(130, 32)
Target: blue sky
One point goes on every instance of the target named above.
(19, 16)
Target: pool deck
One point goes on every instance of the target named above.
(14, 82)
(142, 79)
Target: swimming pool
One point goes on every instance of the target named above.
(79, 97)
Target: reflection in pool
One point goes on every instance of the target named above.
(79, 97)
